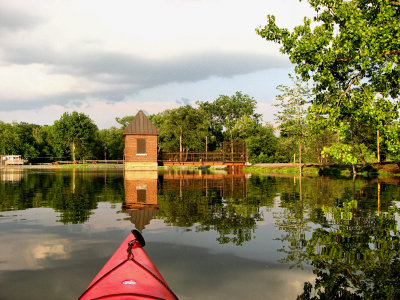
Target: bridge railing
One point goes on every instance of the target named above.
(202, 157)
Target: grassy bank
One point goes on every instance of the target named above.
(370, 171)
(284, 169)
(93, 166)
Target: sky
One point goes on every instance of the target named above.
(110, 59)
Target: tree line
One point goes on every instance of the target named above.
(187, 128)
(202, 128)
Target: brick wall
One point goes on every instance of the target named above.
(131, 148)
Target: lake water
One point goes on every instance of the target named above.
(212, 236)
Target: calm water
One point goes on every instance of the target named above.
(212, 236)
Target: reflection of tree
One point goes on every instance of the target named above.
(263, 190)
(334, 228)
(73, 196)
(355, 253)
(294, 221)
(233, 218)
(358, 256)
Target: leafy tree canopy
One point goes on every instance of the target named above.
(350, 43)
(77, 132)
(351, 51)
(228, 110)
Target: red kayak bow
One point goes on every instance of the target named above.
(129, 274)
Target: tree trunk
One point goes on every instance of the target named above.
(231, 145)
(361, 153)
(206, 147)
(355, 137)
(180, 148)
(73, 151)
(352, 135)
(300, 146)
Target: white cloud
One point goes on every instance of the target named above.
(55, 54)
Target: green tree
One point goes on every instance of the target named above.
(292, 111)
(78, 133)
(29, 140)
(9, 139)
(21, 138)
(260, 139)
(167, 140)
(45, 140)
(185, 127)
(124, 121)
(351, 51)
(316, 139)
(229, 110)
(214, 130)
(112, 140)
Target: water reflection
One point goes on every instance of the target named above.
(12, 175)
(74, 194)
(351, 241)
(194, 199)
(205, 202)
(346, 231)
(355, 256)
(141, 197)
(228, 185)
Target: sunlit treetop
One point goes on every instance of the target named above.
(347, 44)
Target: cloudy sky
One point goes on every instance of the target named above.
(109, 59)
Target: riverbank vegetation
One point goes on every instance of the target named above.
(196, 128)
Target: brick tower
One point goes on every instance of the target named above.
(140, 144)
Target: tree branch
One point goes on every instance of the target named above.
(396, 51)
(343, 59)
(395, 3)
(355, 279)
(391, 51)
(349, 86)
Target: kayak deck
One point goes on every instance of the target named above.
(129, 274)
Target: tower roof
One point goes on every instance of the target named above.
(141, 125)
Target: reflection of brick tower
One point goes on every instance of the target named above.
(141, 144)
(141, 197)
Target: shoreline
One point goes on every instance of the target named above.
(66, 166)
(344, 171)
(103, 166)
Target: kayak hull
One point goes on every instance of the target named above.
(129, 274)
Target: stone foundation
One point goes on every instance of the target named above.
(141, 166)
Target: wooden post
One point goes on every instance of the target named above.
(377, 142)
(73, 151)
(300, 143)
(180, 148)
(206, 148)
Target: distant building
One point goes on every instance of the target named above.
(12, 160)
(140, 144)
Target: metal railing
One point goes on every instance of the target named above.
(202, 157)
